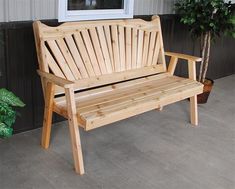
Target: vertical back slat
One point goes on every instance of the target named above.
(82, 49)
(121, 36)
(91, 52)
(60, 59)
(156, 51)
(68, 58)
(53, 65)
(162, 58)
(109, 42)
(151, 48)
(134, 47)
(128, 48)
(104, 48)
(115, 44)
(97, 48)
(140, 48)
(76, 56)
(146, 48)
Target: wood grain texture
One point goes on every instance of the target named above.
(118, 55)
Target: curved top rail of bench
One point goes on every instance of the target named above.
(107, 50)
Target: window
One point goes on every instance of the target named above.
(72, 10)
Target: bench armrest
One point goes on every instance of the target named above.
(184, 56)
(56, 80)
(191, 63)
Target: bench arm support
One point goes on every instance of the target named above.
(191, 63)
(184, 56)
(56, 80)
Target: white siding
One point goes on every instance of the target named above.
(21, 10)
(146, 7)
(2, 11)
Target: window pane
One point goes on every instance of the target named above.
(95, 4)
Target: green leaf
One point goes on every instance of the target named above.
(214, 16)
(9, 98)
(5, 132)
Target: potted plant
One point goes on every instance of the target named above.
(7, 112)
(206, 21)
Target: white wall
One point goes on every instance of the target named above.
(21, 10)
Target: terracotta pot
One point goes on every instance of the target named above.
(202, 98)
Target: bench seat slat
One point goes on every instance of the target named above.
(97, 107)
(123, 96)
(139, 107)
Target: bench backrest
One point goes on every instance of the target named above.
(101, 52)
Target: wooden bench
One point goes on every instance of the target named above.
(98, 72)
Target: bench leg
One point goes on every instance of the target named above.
(74, 132)
(48, 111)
(194, 110)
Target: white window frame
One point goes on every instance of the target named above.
(75, 15)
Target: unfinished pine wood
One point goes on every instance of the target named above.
(194, 110)
(115, 43)
(140, 48)
(56, 80)
(74, 131)
(184, 56)
(121, 36)
(98, 92)
(120, 95)
(172, 65)
(53, 65)
(128, 60)
(161, 59)
(156, 51)
(76, 56)
(90, 51)
(48, 111)
(94, 73)
(134, 47)
(192, 70)
(118, 77)
(98, 51)
(104, 48)
(109, 42)
(60, 60)
(193, 100)
(146, 48)
(151, 48)
(65, 51)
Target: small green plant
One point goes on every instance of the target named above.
(206, 20)
(8, 101)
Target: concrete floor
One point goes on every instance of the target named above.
(153, 150)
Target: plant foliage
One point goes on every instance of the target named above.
(202, 16)
(8, 101)
(206, 20)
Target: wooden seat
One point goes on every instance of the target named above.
(97, 72)
(98, 107)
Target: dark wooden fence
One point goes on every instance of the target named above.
(18, 63)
